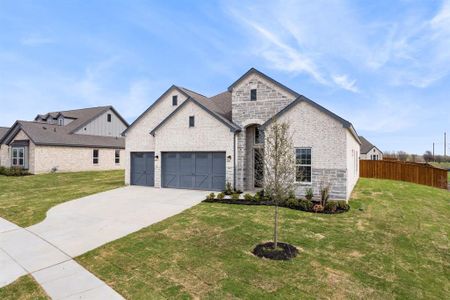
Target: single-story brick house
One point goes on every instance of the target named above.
(369, 151)
(85, 139)
(187, 140)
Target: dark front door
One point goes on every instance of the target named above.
(193, 170)
(143, 168)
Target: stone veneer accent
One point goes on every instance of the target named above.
(270, 100)
(337, 177)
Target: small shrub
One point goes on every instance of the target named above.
(257, 198)
(325, 194)
(318, 208)
(309, 194)
(235, 197)
(13, 171)
(331, 207)
(292, 203)
(248, 197)
(305, 205)
(343, 206)
(211, 197)
(220, 196)
(228, 189)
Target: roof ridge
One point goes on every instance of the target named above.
(72, 110)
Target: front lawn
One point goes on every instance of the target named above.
(24, 288)
(25, 200)
(393, 243)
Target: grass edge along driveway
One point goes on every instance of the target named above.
(392, 244)
(26, 200)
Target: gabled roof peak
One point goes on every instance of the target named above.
(268, 78)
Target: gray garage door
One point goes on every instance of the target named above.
(194, 170)
(143, 168)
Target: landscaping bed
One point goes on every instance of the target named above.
(314, 206)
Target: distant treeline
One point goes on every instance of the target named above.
(426, 157)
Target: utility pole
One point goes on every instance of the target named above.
(433, 151)
(445, 144)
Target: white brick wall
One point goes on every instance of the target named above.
(74, 159)
(138, 137)
(209, 134)
(353, 149)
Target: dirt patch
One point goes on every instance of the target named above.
(282, 252)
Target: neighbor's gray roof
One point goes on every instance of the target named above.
(54, 135)
(3, 131)
(82, 116)
(366, 146)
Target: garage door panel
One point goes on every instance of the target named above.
(142, 168)
(202, 181)
(198, 170)
(218, 163)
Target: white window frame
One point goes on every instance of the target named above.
(95, 157)
(17, 157)
(117, 156)
(303, 165)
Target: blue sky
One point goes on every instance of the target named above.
(384, 66)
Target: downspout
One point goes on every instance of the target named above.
(234, 160)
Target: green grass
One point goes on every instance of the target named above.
(392, 244)
(24, 288)
(444, 165)
(25, 200)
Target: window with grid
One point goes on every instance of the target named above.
(18, 157)
(95, 156)
(303, 165)
(117, 156)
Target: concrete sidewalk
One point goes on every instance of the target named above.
(23, 252)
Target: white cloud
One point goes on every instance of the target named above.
(36, 40)
(344, 82)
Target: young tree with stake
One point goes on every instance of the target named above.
(279, 170)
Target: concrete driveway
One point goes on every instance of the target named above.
(45, 250)
(81, 225)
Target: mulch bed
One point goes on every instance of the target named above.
(283, 252)
(267, 203)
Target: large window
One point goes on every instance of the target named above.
(117, 156)
(303, 165)
(18, 156)
(95, 156)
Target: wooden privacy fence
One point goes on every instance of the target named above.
(404, 171)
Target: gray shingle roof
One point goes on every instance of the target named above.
(54, 135)
(3, 131)
(42, 133)
(366, 146)
(81, 116)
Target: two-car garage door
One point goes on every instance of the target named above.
(193, 170)
(188, 170)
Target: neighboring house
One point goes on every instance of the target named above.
(187, 140)
(3, 131)
(369, 151)
(76, 140)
